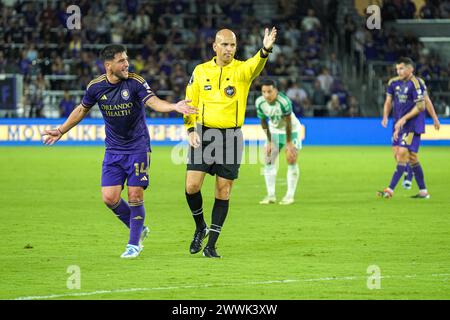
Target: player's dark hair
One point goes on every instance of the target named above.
(406, 61)
(110, 51)
(268, 82)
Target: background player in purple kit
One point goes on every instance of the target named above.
(389, 105)
(410, 125)
(122, 97)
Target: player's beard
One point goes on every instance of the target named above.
(122, 75)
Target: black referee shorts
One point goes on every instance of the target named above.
(219, 153)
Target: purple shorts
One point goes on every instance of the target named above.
(409, 140)
(131, 167)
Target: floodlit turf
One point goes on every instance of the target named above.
(52, 217)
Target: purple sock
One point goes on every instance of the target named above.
(418, 174)
(122, 211)
(137, 218)
(401, 167)
(409, 175)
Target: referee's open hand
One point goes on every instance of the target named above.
(269, 38)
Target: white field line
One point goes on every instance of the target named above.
(92, 293)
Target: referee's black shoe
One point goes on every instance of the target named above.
(196, 244)
(210, 252)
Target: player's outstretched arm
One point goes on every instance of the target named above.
(432, 112)
(163, 106)
(53, 135)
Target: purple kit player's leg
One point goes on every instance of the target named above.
(122, 211)
(137, 218)
(417, 169)
(401, 167)
(407, 182)
(113, 176)
(137, 181)
(402, 161)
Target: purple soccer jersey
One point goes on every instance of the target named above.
(405, 96)
(123, 109)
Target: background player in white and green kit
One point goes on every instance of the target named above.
(282, 128)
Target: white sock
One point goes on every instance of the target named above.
(293, 174)
(270, 175)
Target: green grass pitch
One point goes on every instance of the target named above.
(52, 217)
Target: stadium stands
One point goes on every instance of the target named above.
(318, 50)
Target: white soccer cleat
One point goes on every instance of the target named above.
(268, 200)
(287, 200)
(144, 235)
(131, 252)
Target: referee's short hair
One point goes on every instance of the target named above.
(269, 82)
(110, 51)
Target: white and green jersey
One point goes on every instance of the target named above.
(275, 113)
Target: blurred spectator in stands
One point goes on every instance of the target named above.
(34, 92)
(31, 53)
(349, 29)
(389, 11)
(117, 33)
(333, 65)
(178, 77)
(138, 63)
(334, 107)
(318, 97)
(283, 84)
(66, 105)
(103, 28)
(312, 50)
(310, 22)
(326, 81)
(360, 40)
(280, 66)
(423, 68)
(141, 23)
(406, 9)
(3, 62)
(331, 16)
(339, 90)
(353, 108)
(297, 93)
(391, 51)
(308, 70)
(75, 46)
(370, 50)
(24, 64)
(444, 9)
(292, 35)
(429, 11)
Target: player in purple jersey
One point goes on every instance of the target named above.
(410, 102)
(390, 105)
(122, 97)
